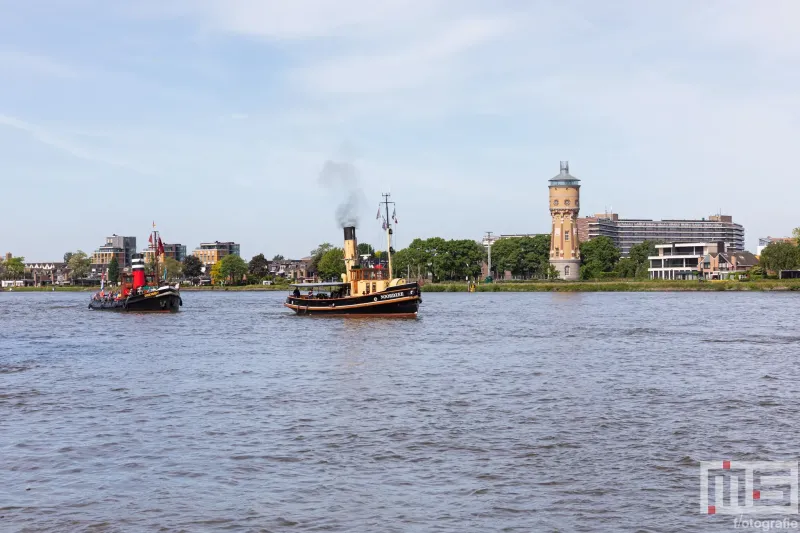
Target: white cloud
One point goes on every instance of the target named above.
(768, 29)
(435, 60)
(303, 19)
(59, 142)
(14, 63)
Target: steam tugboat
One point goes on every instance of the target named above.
(137, 293)
(362, 291)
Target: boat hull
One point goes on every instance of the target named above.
(400, 301)
(164, 300)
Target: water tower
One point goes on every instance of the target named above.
(565, 253)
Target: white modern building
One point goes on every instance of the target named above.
(695, 260)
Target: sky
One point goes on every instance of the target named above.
(215, 118)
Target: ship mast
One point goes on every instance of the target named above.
(154, 237)
(389, 232)
(155, 258)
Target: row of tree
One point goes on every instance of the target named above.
(459, 259)
(601, 259)
(454, 259)
(443, 260)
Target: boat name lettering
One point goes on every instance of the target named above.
(391, 295)
(152, 293)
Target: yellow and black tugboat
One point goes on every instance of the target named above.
(362, 291)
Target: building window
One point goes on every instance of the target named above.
(566, 270)
(566, 202)
(555, 202)
(566, 235)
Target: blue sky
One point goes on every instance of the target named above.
(215, 117)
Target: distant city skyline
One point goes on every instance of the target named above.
(215, 118)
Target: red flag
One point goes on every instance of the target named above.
(150, 239)
(160, 247)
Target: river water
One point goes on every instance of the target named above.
(490, 412)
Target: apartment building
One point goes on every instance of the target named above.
(625, 233)
(212, 252)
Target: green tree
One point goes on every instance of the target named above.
(317, 253)
(430, 256)
(192, 266)
(756, 272)
(401, 263)
(506, 256)
(67, 256)
(79, 264)
(598, 255)
(626, 268)
(462, 259)
(258, 267)
(173, 266)
(780, 256)
(14, 267)
(796, 235)
(453, 259)
(278, 257)
(331, 265)
(524, 257)
(365, 249)
(113, 270)
(637, 262)
(233, 267)
(415, 256)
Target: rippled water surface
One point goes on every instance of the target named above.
(490, 412)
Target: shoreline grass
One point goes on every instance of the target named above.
(620, 286)
(522, 286)
(183, 288)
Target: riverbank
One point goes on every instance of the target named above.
(619, 286)
(532, 286)
(183, 288)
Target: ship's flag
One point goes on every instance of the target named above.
(384, 224)
(154, 224)
(150, 239)
(394, 215)
(379, 214)
(160, 249)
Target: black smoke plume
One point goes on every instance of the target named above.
(343, 179)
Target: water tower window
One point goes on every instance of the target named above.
(566, 202)
(555, 202)
(566, 235)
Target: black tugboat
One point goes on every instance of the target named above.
(362, 291)
(137, 293)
